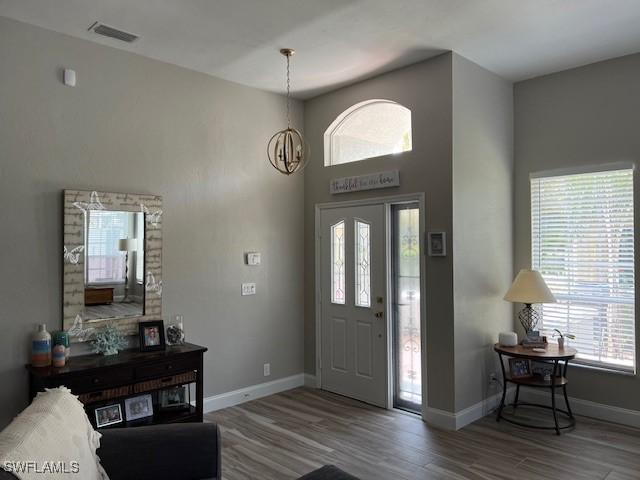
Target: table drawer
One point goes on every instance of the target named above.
(167, 367)
(87, 383)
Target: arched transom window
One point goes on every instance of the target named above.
(366, 130)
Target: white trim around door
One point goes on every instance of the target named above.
(387, 201)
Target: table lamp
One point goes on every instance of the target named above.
(529, 288)
(127, 245)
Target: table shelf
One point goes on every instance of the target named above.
(538, 381)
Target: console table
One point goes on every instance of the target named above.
(552, 355)
(103, 380)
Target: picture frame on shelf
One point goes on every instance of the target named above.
(151, 336)
(520, 368)
(108, 415)
(138, 407)
(174, 398)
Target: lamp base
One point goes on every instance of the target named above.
(529, 318)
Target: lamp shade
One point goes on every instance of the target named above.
(128, 244)
(529, 287)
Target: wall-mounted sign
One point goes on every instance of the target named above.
(370, 181)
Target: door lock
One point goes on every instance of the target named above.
(379, 314)
(379, 299)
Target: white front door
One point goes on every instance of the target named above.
(353, 302)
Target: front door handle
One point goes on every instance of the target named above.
(379, 314)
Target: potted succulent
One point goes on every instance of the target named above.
(562, 336)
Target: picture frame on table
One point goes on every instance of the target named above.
(151, 335)
(108, 415)
(174, 398)
(520, 368)
(138, 407)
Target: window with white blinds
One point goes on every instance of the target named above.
(583, 245)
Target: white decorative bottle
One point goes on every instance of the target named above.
(41, 347)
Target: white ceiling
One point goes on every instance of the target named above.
(342, 41)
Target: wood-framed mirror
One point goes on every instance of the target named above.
(112, 260)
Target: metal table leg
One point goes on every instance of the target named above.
(553, 396)
(564, 389)
(504, 389)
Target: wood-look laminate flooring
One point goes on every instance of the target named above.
(286, 435)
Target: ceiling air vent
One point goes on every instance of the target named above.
(107, 31)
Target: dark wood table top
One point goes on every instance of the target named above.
(552, 352)
(130, 356)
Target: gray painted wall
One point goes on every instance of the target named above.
(482, 224)
(580, 117)
(138, 125)
(425, 89)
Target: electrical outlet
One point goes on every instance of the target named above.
(267, 369)
(248, 289)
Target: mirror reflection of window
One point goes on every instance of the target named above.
(105, 263)
(139, 274)
(114, 264)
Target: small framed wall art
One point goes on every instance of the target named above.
(437, 244)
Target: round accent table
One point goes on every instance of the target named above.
(553, 356)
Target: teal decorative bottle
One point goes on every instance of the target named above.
(62, 338)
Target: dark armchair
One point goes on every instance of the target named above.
(186, 451)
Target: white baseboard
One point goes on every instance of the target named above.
(586, 408)
(481, 409)
(236, 397)
(455, 421)
(310, 380)
(440, 418)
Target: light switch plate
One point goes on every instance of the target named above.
(248, 289)
(253, 258)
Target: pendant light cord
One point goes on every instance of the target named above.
(288, 90)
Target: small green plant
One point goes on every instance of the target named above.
(108, 341)
(564, 335)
